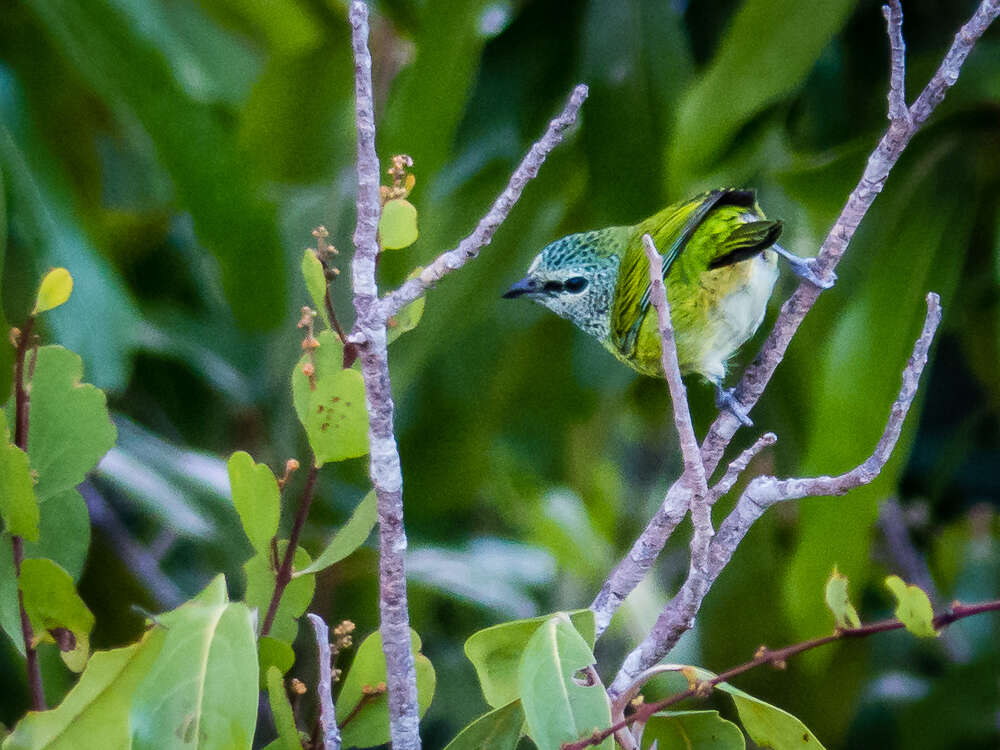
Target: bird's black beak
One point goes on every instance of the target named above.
(524, 286)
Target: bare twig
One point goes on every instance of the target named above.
(761, 494)
(738, 466)
(633, 568)
(482, 235)
(324, 688)
(776, 658)
(283, 575)
(22, 406)
(370, 336)
(893, 13)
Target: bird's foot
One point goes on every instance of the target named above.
(725, 399)
(806, 268)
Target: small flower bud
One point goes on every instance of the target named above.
(298, 687)
(308, 369)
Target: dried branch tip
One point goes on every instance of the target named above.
(402, 180)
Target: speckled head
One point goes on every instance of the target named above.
(575, 277)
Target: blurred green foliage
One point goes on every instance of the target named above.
(175, 156)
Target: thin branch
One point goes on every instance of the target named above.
(893, 13)
(738, 466)
(324, 687)
(761, 494)
(641, 557)
(22, 405)
(776, 658)
(482, 235)
(370, 336)
(283, 575)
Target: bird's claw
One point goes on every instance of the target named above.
(806, 268)
(726, 399)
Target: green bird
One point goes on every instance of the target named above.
(720, 264)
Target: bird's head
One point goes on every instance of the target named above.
(575, 278)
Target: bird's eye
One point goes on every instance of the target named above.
(576, 284)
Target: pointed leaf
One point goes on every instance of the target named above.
(770, 726)
(348, 538)
(298, 593)
(70, 428)
(54, 290)
(256, 497)
(500, 729)
(913, 608)
(839, 603)
(94, 715)
(370, 725)
(281, 711)
(51, 601)
(681, 730)
(398, 226)
(557, 707)
(209, 662)
(273, 653)
(18, 506)
(312, 274)
(496, 651)
(331, 408)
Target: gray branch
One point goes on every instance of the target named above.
(738, 466)
(641, 557)
(482, 235)
(324, 687)
(761, 494)
(893, 13)
(386, 474)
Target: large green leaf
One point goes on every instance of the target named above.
(496, 652)
(684, 730)
(70, 429)
(500, 729)
(260, 575)
(18, 505)
(193, 142)
(209, 662)
(94, 715)
(770, 726)
(348, 538)
(53, 605)
(331, 406)
(766, 53)
(370, 724)
(256, 497)
(557, 707)
(281, 711)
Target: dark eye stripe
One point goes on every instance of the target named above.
(552, 287)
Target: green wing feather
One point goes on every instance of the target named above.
(671, 230)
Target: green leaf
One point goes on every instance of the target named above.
(496, 651)
(398, 226)
(500, 729)
(18, 506)
(913, 608)
(54, 290)
(315, 278)
(273, 653)
(51, 601)
(294, 600)
(409, 316)
(209, 662)
(333, 413)
(370, 725)
(839, 603)
(70, 428)
(557, 707)
(281, 711)
(94, 715)
(351, 536)
(770, 726)
(256, 497)
(64, 532)
(681, 730)
(783, 38)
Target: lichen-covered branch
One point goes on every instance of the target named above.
(384, 466)
(738, 465)
(324, 686)
(761, 494)
(482, 235)
(641, 557)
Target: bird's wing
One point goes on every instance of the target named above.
(745, 241)
(670, 229)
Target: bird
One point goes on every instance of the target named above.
(720, 266)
